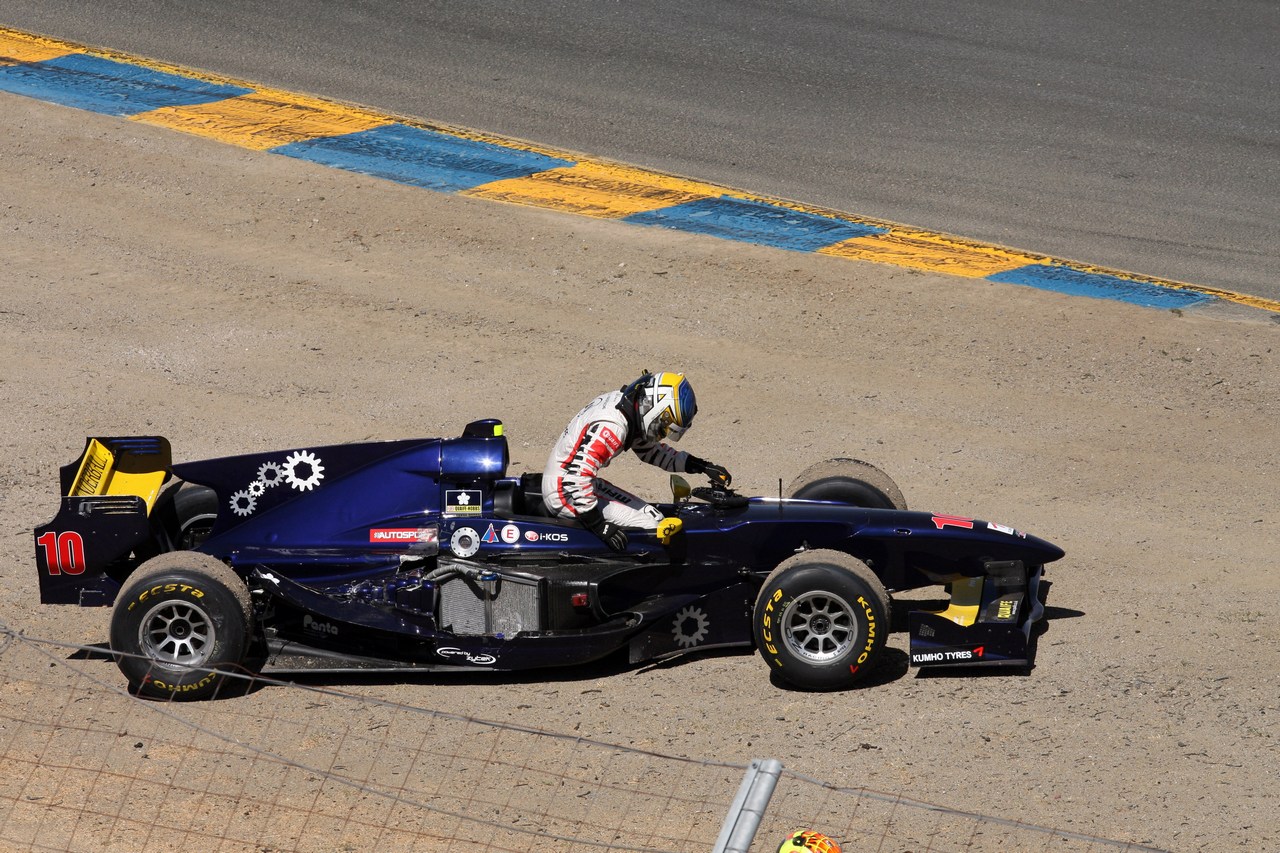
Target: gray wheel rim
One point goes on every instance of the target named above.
(819, 627)
(176, 632)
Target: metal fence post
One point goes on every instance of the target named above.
(743, 819)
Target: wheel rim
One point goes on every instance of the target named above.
(176, 632)
(819, 627)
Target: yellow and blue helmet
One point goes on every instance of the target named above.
(664, 404)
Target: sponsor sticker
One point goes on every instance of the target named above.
(1008, 531)
(309, 623)
(463, 501)
(948, 655)
(394, 535)
(611, 439)
(510, 534)
(535, 536)
(458, 656)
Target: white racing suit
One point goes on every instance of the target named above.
(592, 439)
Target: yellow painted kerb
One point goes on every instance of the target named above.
(265, 119)
(594, 189)
(18, 47)
(923, 250)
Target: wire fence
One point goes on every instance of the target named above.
(87, 766)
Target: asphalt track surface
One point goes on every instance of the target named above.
(1144, 137)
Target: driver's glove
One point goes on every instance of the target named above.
(718, 474)
(611, 534)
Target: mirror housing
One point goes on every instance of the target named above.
(680, 488)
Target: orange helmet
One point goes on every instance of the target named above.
(808, 841)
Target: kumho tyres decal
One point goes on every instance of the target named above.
(454, 160)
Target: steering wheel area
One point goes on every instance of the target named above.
(719, 498)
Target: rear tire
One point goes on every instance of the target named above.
(180, 619)
(849, 481)
(821, 620)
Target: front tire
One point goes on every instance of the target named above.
(181, 618)
(849, 481)
(821, 620)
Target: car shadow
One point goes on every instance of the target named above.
(893, 665)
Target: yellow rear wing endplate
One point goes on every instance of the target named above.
(122, 466)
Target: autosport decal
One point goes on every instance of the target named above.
(393, 535)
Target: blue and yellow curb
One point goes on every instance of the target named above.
(475, 164)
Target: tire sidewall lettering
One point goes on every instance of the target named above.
(860, 596)
(182, 580)
(177, 590)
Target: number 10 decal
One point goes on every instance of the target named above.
(63, 552)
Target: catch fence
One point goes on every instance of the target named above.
(87, 766)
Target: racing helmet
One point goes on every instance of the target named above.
(808, 841)
(664, 404)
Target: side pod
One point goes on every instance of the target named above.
(987, 622)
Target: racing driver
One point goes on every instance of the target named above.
(636, 417)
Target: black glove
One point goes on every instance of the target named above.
(611, 534)
(718, 474)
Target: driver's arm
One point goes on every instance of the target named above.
(718, 474)
(662, 455)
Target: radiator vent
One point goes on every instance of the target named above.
(514, 607)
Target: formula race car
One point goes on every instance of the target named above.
(424, 554)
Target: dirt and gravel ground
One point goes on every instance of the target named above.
(236, 301)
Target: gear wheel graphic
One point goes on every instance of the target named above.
(243, 503)
(697, 635)
(314, 470)
(256, 488)
(270, 474)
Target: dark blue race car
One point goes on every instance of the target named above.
(426, 554)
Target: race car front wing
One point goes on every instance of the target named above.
(988, 621)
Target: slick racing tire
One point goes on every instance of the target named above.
(821, 620)
(849, 481)
(180, 618)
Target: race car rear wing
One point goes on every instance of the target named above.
(107, 497)
(120, 466)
